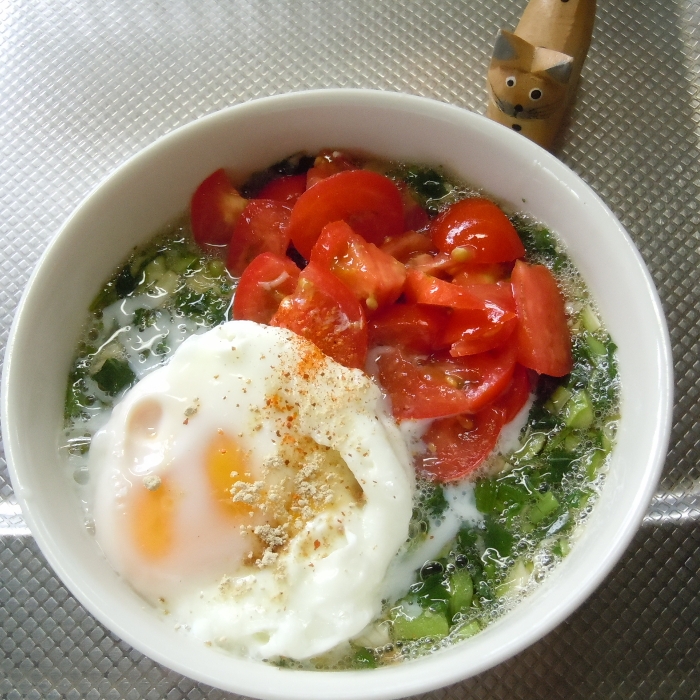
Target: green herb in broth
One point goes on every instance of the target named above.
(167, 285)
(431, 501)
(532, 503)
(114, 376)
(530, 499)
(531, 507)
(430, 186)
(540, 244)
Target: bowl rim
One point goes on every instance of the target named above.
(399, 682)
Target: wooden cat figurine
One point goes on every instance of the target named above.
(535, 69)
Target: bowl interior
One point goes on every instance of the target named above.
(155, 186)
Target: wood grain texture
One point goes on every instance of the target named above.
(534, 70)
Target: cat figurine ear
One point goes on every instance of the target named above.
(528, 87)
(534, 70)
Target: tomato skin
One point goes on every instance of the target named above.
(413, 392)
(491, 372)
(409, 327)
(370, 203)
(458, 445)
(328, 163)
(543, 337)
(407, 244)
(420, 288)
(442, 385)
(472, 331)
(516, 395)
(323, 310)
(287, 188)
(262, 228)
(441, 265)
(476, 273)
(215, 209)
(374, 277)
(478, 225)
(263, 285)
(415, 217)
(499, 294)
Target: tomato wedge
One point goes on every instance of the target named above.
(374, 277)
(476, 273)
(486, 375)
(498, 294)
(263, 285)
(442, 386)
(214, 210)
(287, 188)
(408, 244)
(543, 337)
(516, 395)
(471, 331)
(480, 227)
(328, 163)
(420, 288)
(419, 390)
(459, 445)
(442, 265)
(325, 311)
(262, 228)
(410, 327)
(414, 216)
(370, 203)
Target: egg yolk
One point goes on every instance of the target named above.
(152, 519)
(226, 464)
(153, 514)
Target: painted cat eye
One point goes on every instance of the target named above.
(535, 94)
(510, 81)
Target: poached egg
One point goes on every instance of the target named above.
(256, 490)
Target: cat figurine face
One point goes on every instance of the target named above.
(528, 87)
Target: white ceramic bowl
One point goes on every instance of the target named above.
(155, 186)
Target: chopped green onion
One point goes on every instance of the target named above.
(592, 462)
(468, 630)
(363, 658)
(578, 412)
(589, 319)
(169, 282)
(427, 624)
(498, 538)
(461, 593)
(558, 399)
(155, 270)
(562, 547)
(595, 346)
(545, 505)
(517, 580)
(180, 263)
(571, 442)
(215, 268)
(609, 430)
(532, 447)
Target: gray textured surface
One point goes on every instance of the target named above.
(85, 85)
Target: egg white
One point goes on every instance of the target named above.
(267, 389)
